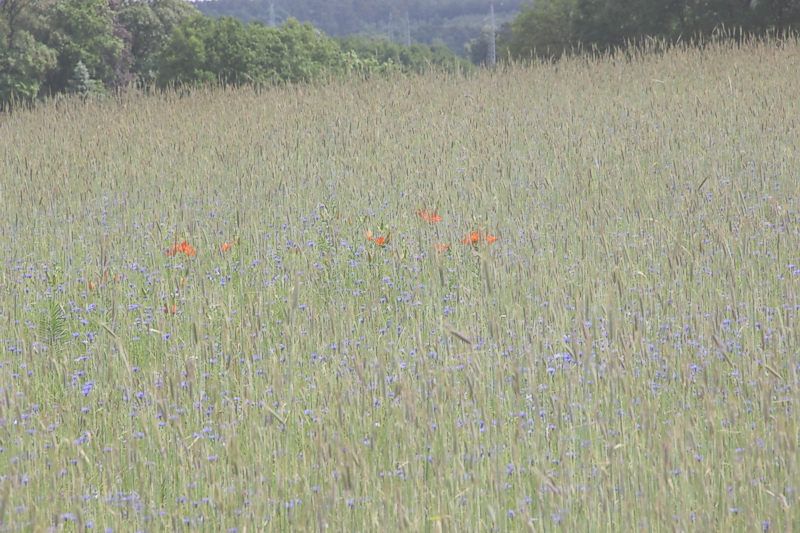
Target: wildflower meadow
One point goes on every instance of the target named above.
(549, 297)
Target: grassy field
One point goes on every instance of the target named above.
(622, 357)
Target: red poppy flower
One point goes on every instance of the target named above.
(188, 249)
(490, 239)
(472, 238)
(429, 216)
(441, 247)
(379, 240)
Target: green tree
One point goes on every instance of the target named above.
(204, 50)
(184, 58)
(553, 26)
(230, 54)
(309, 52)
(614, 23)
(477, 49)
(14, 14)
(85, 31)
(779, 15)
(150, 24)
(414, 58)
(269, 54)
(24, 62)
(82, 84)
(543, 30)
(703, 17)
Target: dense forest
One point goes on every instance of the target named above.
(552, 27)
(91, 47)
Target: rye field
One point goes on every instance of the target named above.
(550, 298)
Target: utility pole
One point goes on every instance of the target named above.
(391, 29)
(272, 14)
(408, 31)
(491, 55)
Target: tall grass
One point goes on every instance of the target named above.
(623, 357)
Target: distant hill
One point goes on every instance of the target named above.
(450, 22)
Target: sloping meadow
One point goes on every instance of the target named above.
(558, 297)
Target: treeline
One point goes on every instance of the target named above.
(413, 58)
(87, 46)
(95, 46)
(224, 50)
(452, 23)
(548, 28)
(348, 17)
